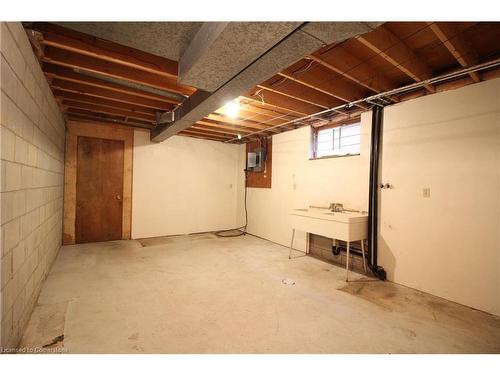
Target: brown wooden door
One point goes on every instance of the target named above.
(99, 190)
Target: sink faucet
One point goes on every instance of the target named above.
(336, 207)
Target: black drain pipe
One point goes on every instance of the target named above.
(377, 120)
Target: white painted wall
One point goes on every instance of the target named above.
(448, 244)
(300, 182)
(185, 185)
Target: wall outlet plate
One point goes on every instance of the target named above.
(426, 192)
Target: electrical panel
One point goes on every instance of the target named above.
(256, 160)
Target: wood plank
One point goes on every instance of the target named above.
(261, 179)
(200, 137)
(339, 60)
(208, 133)
(103, 102)
(334, 86)
(277, 119)
(108, 110)
(200, 127)
(250, 106)
(245, 123)
(303, 93)
(98, 92)
(108, 69)
(145, 124)
(288, 105)
(68, 74)
(79, 116)
(388, 46)
(88, 45)
(462, 51)
(214, 124)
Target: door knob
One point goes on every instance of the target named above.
(118, 198)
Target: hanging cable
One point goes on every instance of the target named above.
(242, 230)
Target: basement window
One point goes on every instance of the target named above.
(344, 140)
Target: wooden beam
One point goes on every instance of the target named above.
(349, 66)
(205, 135)
(448, 34)
(209, 133)
(68, 74)
(103, 102)
(319, 80)
(108, 117)
(250, 106)
(213, 124)
(255, 117)
(303, 93)
(98, 92)
(236, 122)
(108, 69)
(214, 130)
(84, 44)
(108, 110)
(184, 134)
(286, 104)
(90, 117)
(388, 46)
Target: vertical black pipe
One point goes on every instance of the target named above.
(377, 120)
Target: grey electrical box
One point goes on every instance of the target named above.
(256, 160)
(251, 160)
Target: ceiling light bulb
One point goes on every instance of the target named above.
(232, 109)
(239, 136)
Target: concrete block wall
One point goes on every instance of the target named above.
(32, 170)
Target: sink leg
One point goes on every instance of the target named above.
(291, 244)
(347, 263)
(363, 252)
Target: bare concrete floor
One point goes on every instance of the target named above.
(202, 294)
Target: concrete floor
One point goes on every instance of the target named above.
(202, 294)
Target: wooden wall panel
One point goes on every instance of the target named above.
(261, 179)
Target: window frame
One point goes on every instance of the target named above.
(314, 139)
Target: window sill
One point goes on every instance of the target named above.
(334, 156)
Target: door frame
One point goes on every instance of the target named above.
(74, 129)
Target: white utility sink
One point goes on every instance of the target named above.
(345, 226)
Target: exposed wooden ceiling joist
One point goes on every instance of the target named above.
(100, 80)
(312, 97)
(98, 92)
(84, 44)
(107, 110)
(108, 69)
(68, 74)
(285, 104)
(458, 47)
(336, 87)
(388, 46)
(340, 61)
(103, 102)
(214, 124)
(277, 119)
(208, 133)
(241, 122)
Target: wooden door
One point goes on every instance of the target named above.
(99, 190)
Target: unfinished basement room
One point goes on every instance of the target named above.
(250, 187)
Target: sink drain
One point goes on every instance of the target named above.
(288, 282)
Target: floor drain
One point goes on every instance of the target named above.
(288, 282)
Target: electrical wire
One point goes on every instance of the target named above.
(227, 232)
